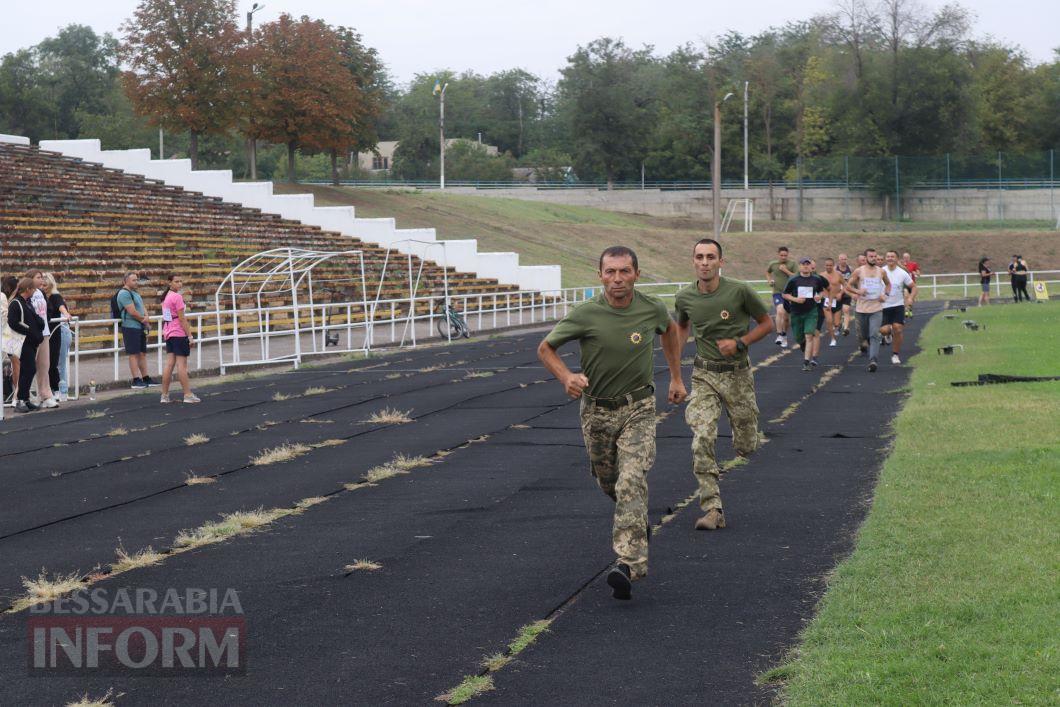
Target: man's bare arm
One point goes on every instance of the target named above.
(672, 344)
(573, 383)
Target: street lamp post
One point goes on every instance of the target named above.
(746, 185)
(715, 177)
(439, 89)
(252, 144)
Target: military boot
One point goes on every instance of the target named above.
(714, 519)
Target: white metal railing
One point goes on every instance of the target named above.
(340, 327)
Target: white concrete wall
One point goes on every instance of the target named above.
(463, 254)
(504, 267)
(539, 277)
(14, 139)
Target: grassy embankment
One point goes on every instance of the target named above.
(952, 595)
(573, 236)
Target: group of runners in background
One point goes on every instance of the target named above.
(876, 293)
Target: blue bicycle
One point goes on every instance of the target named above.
(451, 324)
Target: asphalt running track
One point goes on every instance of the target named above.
(501, 532)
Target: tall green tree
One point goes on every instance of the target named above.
(186, 63)
(607, 97)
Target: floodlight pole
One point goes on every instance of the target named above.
(441, 134)
(715, 177)
(745, 161)
(252, 143)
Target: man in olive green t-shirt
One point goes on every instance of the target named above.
(778, 272)
(616, 331)
(718, 312)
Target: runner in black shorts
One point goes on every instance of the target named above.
(845, 302)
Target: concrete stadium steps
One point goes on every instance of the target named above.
(504, 267)
(88, 224)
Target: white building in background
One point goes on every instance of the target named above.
(383, 158)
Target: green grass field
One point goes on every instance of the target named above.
(952, 595)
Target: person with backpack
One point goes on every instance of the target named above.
(177, 333)
(128, 306)
(24, 320)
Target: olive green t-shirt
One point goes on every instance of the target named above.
(616, 344)
(780, 278)
(724, 313)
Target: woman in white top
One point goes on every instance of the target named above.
(40, 305)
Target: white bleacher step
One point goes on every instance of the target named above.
(504, 267)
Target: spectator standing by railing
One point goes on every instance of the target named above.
(24, 320)
(985, 273)
(43, 362)
(134, 328)
(12, 340)
(177, 333)
(1017, 271)
(59, 345)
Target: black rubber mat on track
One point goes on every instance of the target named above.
(498, 534)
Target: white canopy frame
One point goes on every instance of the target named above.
(284, 270)
(414, 282)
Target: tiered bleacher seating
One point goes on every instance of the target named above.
(88, 225)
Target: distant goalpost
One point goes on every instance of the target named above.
(733, 207)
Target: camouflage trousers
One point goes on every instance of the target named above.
(621, 447)
(710, 390)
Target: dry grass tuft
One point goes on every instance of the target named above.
(45, 588)
(388, 416)
(317, 390)
(355, 486)
(229, 525)
(479, 374)
(403, 462)
(309, 502)
(192, 480)
(283, 453)
(472, 686)
(96, 414)
(280, 397)
(118, 431)
(392, 376)
(193, 439)
(495, 662)
(520, 427)
(104, 701)
(363, 565)
(329, 443)
(384, 471)
(431, 369)
(310, 421)
(144, 558)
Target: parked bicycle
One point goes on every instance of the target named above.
(451, 324)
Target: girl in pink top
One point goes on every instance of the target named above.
(177, 333)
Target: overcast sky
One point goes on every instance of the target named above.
(537, 35)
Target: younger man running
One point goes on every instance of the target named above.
(718, 312)
(777, 273)
(804, 292)
(833, 301)
(869, 284)
(894, 308)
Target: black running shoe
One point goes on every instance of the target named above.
(872, 366)
(619, 581)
